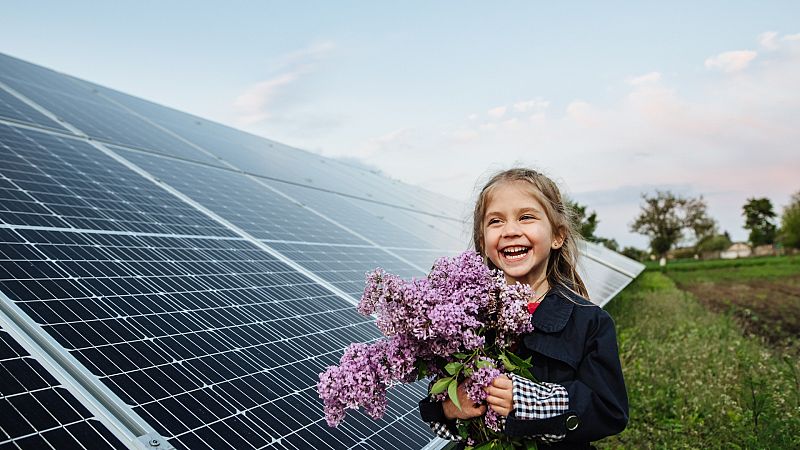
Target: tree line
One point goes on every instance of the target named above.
(668, 219)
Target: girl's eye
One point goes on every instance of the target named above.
(527, 217)
(492, 221)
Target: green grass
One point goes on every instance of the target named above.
(694, 380)
(768, 267)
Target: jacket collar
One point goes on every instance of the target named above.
(553, 313)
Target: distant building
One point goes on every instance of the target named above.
(764, 250)
(737, 250)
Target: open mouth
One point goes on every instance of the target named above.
(515, 253)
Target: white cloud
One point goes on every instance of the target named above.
(733, 61)
(464, 135)
(497, 112)
(648, 78)
(767, 40)
(530, 105)
(254, 103)
(791, 37)
(272, 97)
(388, 142)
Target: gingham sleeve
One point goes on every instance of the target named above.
(443, 431)
(431, 412)
(534, 400)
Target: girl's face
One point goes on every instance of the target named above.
(517, 235)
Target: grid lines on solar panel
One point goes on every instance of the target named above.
(344, 266)
(47, 180)
(76, 103)
(351, 215)
(445, 234)
(601, 281)
(242, 201)
(209, 340)
(15, 109)
(37, 412)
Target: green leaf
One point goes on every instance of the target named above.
(460, 355)
(530, 444)
(440, 385)
(453, 367)
(452, 392)
(519, 362)
(508, 364)
(482, 364)
(526, 374)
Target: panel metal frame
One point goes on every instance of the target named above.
(106, 406)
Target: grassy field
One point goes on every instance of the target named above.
(698, 375)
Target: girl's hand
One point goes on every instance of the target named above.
(468, 408)
(501, 395)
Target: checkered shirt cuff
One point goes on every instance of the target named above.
(443, 431)
(533, 400)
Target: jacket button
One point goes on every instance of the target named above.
(573, 422)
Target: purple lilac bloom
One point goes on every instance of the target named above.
(427, 321)
(360, 380)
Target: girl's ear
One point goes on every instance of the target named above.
(559, 237)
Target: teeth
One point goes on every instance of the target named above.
(514, 253)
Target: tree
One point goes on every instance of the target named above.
(758, 216)
(666, 217)
(610, 244)
(790, 223)
(585, 225)
(634, 253)
(715, 243)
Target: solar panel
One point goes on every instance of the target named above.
(37, 411)
(193, 279)
(57, 181)
(12, 108)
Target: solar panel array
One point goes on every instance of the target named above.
(189, 280)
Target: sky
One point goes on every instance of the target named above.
(611, 99)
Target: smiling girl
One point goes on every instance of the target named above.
(522, 227)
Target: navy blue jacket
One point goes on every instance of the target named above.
(574, 344)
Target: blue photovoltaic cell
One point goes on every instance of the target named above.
(210, 340)
(37, 412)
(350, 213)
(14, 109)
(47, 180)
(243, 201)
(446, 234)
(345, 266)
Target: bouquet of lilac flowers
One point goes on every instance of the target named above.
(456, 324)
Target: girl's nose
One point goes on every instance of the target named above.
(511, 228)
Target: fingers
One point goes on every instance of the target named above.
(468, 409)
(502, 382)
(503, 411)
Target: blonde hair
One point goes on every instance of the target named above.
(562, 263)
